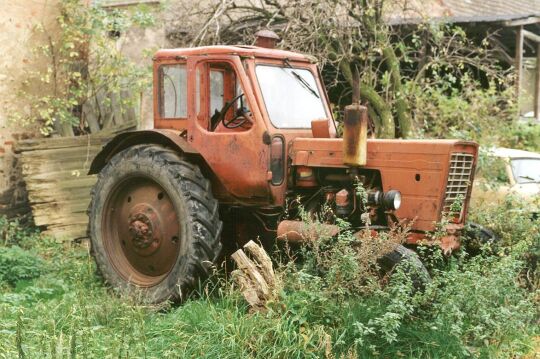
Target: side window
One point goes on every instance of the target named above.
(173, 91)
(217, 90)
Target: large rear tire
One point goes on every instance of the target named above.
(154, 224)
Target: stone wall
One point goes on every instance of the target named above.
(138, 45)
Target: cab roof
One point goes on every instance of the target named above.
(239, 50)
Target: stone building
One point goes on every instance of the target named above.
(18, 38)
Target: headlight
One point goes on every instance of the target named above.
(392, 199)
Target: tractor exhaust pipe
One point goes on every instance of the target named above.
(355, 127)
(266, 38)
(355, 135)
(299, 232)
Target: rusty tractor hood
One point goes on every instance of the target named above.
(419, 169)
(328, 152)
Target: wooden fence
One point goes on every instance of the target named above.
(55, 171)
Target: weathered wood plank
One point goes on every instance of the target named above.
(76, 141)
(54, 170)
(59, 142)
(80, 194)
(72, 232)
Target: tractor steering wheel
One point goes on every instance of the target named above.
(232, 123)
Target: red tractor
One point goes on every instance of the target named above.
(243, 137)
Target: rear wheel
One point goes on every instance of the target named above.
(154, 224)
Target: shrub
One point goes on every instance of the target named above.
(468, 111)
(521, 135)
(81, 66)
(17, 264)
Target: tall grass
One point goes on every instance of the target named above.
(474, 307)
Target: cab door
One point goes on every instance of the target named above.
(226, 127)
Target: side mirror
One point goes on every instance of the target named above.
(355, 135)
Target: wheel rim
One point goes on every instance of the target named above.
(141, 231)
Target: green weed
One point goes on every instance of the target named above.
(474, 307)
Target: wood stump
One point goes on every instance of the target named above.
(255, 275)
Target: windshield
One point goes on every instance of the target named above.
(526, 170)
(291, 96)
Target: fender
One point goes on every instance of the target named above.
(169, 138)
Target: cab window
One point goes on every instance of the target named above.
(173, 91)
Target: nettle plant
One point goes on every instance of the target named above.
(79, 64)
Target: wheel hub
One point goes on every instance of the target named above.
(143, 223)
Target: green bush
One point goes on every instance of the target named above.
(73, 82)
(480, 299)
(17, 264)
(469, 111)
(522, 135)
(13, 233)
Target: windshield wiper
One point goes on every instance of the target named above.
(300, 79)
(528, 178)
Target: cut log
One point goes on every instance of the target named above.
(246, 287)
(263, 262)
(250, 269)
(255, 277)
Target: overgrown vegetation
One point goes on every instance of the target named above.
(332, 305)
(80, 77)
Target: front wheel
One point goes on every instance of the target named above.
(154, 225)
(411, 265)
(479, 239)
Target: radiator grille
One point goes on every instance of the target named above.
(459, 178)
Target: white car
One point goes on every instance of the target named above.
(508, 171)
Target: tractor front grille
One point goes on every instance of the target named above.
(459, 179)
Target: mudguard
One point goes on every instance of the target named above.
(168, 138)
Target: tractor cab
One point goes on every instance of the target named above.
(236, 88)
(238, 106)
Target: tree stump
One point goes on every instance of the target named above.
(255, 275)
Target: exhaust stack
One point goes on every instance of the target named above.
(355, 135)
(266, 38)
